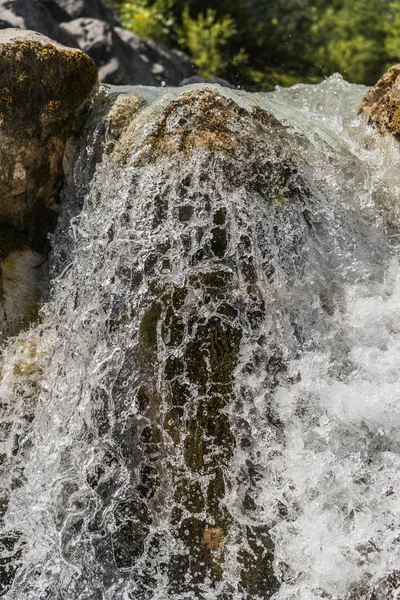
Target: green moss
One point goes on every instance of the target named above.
(190, 495)
(185, 213)
(257, 578)
(227, 310)
(148, 330)
(173, 328)
(205, 122)
(122, 113)
(219, 241)
(42, 84)
(215, 280)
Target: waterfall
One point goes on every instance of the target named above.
(207, 409)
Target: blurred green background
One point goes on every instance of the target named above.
(259, 44)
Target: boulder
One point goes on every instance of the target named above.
(42, 87)
(81, 8)
(124, 58)
(381, 105)
(121, 56)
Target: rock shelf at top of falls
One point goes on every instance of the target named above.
(42, 87)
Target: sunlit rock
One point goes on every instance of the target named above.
(42, 87)
(381, 104)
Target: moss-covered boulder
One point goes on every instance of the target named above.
(42, 87)
(381, 104)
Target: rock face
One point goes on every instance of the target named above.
(121, 56)
(42, 87)
(381, 104)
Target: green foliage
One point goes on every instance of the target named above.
(352, 39)
(206, 40)
(392, 30)
(281, 41)
(149, 20)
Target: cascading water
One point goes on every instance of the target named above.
(208, 409)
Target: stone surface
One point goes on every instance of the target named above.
(42, 87)
(121, 56)
(381, 104)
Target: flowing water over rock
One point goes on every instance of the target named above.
(208, 409)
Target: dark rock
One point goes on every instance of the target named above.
(93, 37)
(35, 16)
(121, 56)
(161, 64)
(83, 8)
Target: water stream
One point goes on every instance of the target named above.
(178, 287)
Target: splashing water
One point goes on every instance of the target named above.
(95, 498)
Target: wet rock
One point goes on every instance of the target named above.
(386, 588)
(42, 87)
(202, 119)
(186, 399)
(381, 105)
(24, 277)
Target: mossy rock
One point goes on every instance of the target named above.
(198, 119)
(43, 85)
(192, 331)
